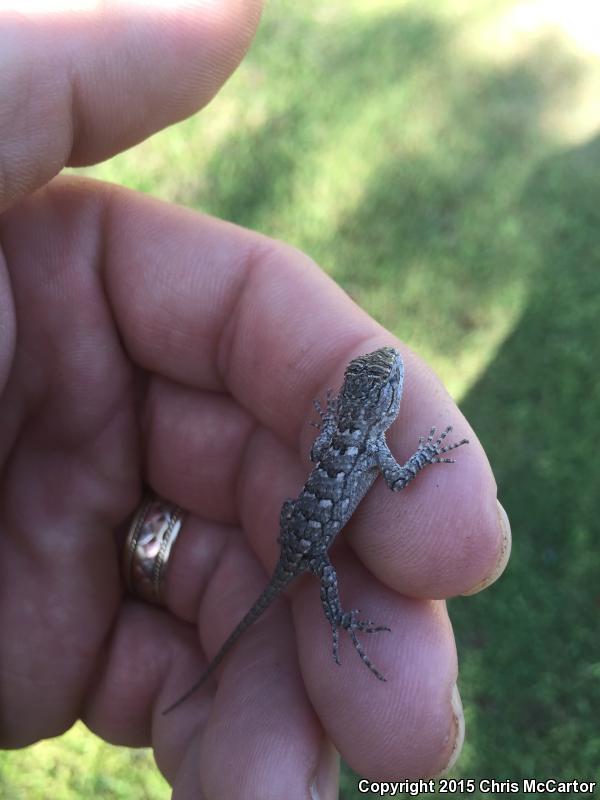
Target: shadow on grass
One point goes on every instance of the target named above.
(319, 76)
(439, 233)
(530, 647)
(435, 228)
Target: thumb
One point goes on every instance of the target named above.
(85, 80)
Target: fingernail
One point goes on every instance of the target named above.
(459, 724)
(325, 779)
(505, 548)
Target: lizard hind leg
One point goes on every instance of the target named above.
(340, 619)
(350, 623)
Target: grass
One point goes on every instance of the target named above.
(79, 765)
(444, 168)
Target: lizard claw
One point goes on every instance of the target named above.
(330, 406)
(432, 450)
(349, 622)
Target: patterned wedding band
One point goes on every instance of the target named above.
(148, 547)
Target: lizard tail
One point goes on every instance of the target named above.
(271, 591)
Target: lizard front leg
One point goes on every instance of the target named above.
(326, 427)
(338, 618)
(396, 475)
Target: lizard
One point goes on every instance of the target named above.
(348, 453)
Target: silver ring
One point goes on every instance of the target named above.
(148, 546)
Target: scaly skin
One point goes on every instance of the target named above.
(348, 454)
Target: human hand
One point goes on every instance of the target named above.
(143, 342)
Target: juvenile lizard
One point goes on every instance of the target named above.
(348, 454)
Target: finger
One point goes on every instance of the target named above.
(260, 696)
(435, 539)
(411, 724)
(422, 725)
(148, 654)
(442, 535)
(261, 711)
(195, 443)
(79, 87)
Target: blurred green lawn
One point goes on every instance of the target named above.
(441, 160)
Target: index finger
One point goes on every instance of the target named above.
(217, 307)
(80, 84)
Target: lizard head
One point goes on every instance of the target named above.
(372, 388)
